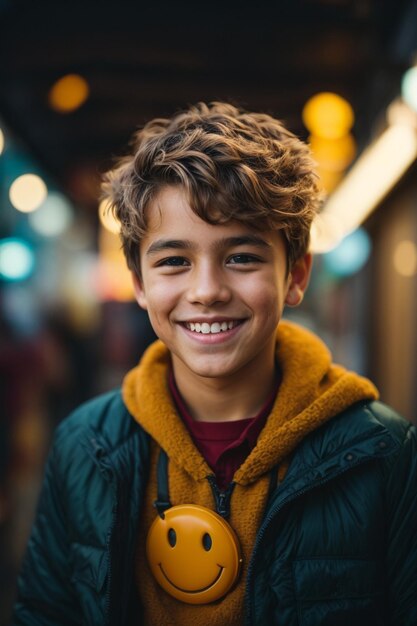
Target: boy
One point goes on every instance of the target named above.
(240, 476)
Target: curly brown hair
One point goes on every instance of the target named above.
(233, 165)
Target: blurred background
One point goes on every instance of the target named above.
(77, 78)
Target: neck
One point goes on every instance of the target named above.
(227, 399)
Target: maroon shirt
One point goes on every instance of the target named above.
(224, 445)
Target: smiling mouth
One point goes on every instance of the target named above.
(197, 590)
(215, 328)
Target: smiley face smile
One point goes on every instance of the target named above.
(196, 590)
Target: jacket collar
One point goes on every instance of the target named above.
(351, 438)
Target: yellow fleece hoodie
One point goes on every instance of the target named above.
(312, 391)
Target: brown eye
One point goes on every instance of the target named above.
(207, 542)
(172, 537)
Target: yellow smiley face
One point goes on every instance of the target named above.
(193, 554)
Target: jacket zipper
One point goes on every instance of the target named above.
(221, 497)
(108, 547)
(108, 472)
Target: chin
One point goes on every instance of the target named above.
(211, 370)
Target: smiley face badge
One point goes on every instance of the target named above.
(193, 554)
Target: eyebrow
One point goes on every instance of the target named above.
(169, 244)
(228, 242)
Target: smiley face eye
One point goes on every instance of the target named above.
(172, 537)
(207, 542)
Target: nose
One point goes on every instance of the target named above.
(208, 285)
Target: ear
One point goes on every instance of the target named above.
(139, 290)
(298, 280)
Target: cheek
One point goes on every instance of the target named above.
(161, 298)
(267, 296)
(161, 293)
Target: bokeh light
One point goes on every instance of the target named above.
(68, 93)
(1, 141)
(27, 192)
(113, 279)
(405, 258)
(398, 112)
(409, 87)
(328, 115)
(326, 233)
(350, 255)
(107, 218)
(333, 155)
(53, 217)
(17, 260)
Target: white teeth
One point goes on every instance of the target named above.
(205, 328)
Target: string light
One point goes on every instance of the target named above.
(107, 218)
(68, 93)
(27, 192)
(16, 259)
(405, 258)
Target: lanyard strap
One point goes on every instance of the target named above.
(162, 503)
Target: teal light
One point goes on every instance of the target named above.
(409, 87)
(17, 260)
(350, 255)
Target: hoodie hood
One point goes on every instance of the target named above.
(312, 391)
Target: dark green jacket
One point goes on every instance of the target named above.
(338, 544)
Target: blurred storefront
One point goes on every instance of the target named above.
(393, 298)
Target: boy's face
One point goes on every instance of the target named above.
(214, 293)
